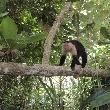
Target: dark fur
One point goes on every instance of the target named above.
(75, 58)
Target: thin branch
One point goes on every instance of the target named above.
(52, 33)
(41, 70)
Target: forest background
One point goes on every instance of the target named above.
(24, 27)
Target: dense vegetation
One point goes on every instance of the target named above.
(24, 26)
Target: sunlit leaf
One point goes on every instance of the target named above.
(8, 28)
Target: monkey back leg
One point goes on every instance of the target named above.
(74, 61)
(84, 59)
(62, 60)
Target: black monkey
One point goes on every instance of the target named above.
(77, 50)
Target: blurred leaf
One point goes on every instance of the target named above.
(12, 43)
(105, 32)
(2, 5)
(101, 100)
(72, 0)
(3, 14)
(88, 5)
(45, 87)
(104, 14)
(31, 39)
(36, 37)
(8, 28)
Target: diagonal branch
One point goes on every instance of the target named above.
(52, 33)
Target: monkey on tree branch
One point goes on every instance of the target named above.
(77, 50)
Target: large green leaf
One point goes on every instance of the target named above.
(101, 100)
(31, 39)
(8, 28)
(37, 37)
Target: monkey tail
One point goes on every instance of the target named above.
(84, 59)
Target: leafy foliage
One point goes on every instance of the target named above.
(105, 32)
(101, 100)
(24, 25)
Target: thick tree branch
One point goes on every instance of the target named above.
(52, 33)
(41, 70)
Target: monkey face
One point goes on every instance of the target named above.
(68, 47)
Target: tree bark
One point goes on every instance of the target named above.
(40, 70)
(52, 33)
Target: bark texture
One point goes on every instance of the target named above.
(41, 70)
(52, 33)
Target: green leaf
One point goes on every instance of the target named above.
(88, 5)
(104, 14)
(105, 32)
(12, 43)
(31, 39)
(36, 37)
(72, 0)
(2, 5)
(3, 14)
(8, 28)
(101, 100)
